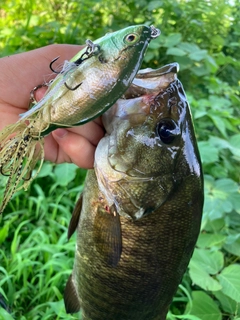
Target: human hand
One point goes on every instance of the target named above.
(20, 73)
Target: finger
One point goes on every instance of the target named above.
(70, 147)
(93, 131)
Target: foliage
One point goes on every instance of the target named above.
(202, 36)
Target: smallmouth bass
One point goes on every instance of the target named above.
(139, 215)
(86, 87)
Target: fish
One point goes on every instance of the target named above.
(86, 87)
(139, 215)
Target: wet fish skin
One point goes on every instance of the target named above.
(139, 215)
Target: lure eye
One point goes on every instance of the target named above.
(131, 38)
(167, 130)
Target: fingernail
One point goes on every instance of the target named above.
(60, 133)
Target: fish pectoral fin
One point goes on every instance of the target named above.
(108, 234)
(71, 299)
(75, 217)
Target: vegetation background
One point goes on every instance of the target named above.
(203, 37)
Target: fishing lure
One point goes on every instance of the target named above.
(85, 88)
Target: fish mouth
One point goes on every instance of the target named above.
(135, 103)
(131, 130)
(150, 81)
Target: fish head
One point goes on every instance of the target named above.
(129, 40)
(150, 147)
(123, 51)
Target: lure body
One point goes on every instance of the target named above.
(82, 91)
(139, 215)
(102, 79)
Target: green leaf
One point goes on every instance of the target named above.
(215, 225)
(172, 40)
(4, 232)
(175, 52)
(200, 71)
(154, 5)
(219, 103)
(227, 304)
(210, 261)
(232, 244)
(220, 196)
(184, 62)
(211, 64)
(204, 307)
(209, 153)
(230, 281)
(198, 55)
(219, 123)
(234, 142)
(4, 315)
(201, 278)
(188, 47)
(65, 173)
(208, 240)
(46, 170)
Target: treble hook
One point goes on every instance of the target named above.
(74, 88)
(51, 63)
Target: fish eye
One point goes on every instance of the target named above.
(131, 38)
(167, 130)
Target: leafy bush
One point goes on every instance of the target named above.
(203, 37)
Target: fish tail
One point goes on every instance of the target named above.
(19, 153)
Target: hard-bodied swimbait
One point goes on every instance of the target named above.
(85, 88)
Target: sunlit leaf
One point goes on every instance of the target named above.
(204, 307)
(210, 261)
(202, 278)
(219, 196)
(230, 281)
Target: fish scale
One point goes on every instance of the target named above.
(132, 288)
(136, 233)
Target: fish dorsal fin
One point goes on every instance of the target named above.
(71, 299)
(75, 217)
(108, 235)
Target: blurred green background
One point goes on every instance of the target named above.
(203, 37)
